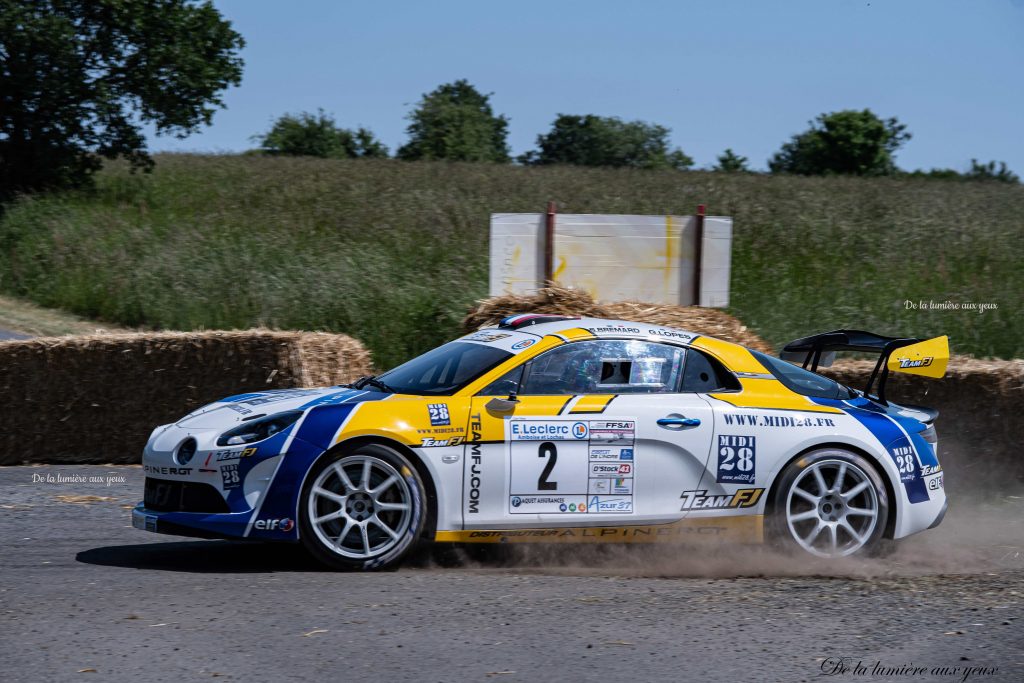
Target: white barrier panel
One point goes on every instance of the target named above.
(614, 257)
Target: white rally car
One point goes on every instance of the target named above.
(561, 429)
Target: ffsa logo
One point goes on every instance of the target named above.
(275, 524)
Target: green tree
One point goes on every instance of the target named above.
(318, 135)
(935, 174)
(79, 78)
(990, 171)
(456, 122)
(730, 162)
(845, 142)
(606, 141)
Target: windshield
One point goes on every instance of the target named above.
(444, 370)
(802, 381)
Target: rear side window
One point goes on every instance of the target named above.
(704, 374)
(801, 381)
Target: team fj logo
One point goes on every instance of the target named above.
(700, 500)
(439, 414)
(915, 362)
(736, 459)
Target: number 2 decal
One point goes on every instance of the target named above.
(547, 449)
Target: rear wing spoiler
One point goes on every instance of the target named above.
(927, 357)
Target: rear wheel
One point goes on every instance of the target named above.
(362, 509)
(830, 503)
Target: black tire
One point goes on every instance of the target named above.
(332, 528)
(836, 516)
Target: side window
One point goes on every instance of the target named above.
(704, 374)
(506, 384)
(801, 381)
(606, 367)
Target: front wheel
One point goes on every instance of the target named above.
(830, 503)
(362, 509)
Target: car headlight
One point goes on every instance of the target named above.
(257, 430)
(186, 451)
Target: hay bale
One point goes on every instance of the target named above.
(560, 300)
(95, 399)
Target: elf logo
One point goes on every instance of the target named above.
(275, 524)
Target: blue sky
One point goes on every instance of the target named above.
(719, 73)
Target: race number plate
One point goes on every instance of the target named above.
(569, 466)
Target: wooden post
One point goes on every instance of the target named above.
(698, 255)
(549, 245)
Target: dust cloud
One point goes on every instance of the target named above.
(981, 533)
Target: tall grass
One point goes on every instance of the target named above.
(394, 253)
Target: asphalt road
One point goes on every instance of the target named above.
(83, 596)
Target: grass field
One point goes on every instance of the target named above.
(23, 317)
(394, 253)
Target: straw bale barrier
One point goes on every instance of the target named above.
(563, 301)
(95, 399)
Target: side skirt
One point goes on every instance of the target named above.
(734, 529)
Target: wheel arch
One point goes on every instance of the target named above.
(349, 445)
(890, 489)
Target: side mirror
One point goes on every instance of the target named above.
(502, 406)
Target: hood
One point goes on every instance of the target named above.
(228, 412)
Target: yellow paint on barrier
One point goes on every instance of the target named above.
(560, 269)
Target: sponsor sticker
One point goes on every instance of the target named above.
(906, 460)
(700, 500)
(613, 329)
(610, 504)
(229, 475)
(522, 430)
(612, 453)
(285, 524)
(520, 345)
(671, 334)
(784, 421)
(737, 459)
(225, 456)
(173, 471)
(439, 416)
(488, 337)
(430, 442)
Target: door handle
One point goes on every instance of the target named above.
(678, 422)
